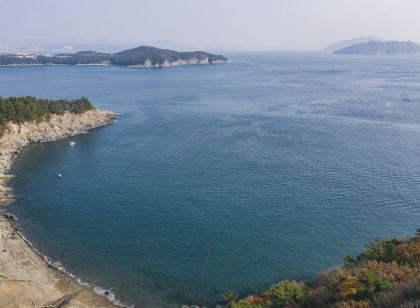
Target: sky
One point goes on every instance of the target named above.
(209, 24)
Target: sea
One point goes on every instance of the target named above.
(221, 177)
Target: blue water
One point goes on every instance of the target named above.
(275, 165)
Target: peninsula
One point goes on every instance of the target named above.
(143, 56)
(26, 279)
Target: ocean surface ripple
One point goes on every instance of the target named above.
(224, 177)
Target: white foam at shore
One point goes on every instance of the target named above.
(7, 160)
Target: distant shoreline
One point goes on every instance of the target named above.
(26, 276)
(140, 57)
(109, 64)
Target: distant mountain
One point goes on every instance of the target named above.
(381, 48)
(347, 43)
(143, 56)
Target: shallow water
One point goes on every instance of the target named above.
(275, 166)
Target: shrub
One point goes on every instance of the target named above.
(349, 287)
(371, 283)
(379, 250)
(352, 304)
(230, 299)
(401, 292)
(408, 252)
(286, 292)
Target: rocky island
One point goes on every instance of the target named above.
(26, 279)
(143, 56)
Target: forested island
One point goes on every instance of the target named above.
(143, 56)
(385, 274)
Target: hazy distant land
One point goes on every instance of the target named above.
(347, 43)
(373, 47)
(143, 56)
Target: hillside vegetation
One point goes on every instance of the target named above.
(385, 274)
(28, 108)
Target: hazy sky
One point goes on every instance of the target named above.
(247, 24)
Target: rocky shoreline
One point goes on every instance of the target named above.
(26, 279)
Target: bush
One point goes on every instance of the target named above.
(408, 252)
(230, 299)
(352, 304)
(371, 283)
(379, 250)
(349, 287)
(401, 292)
(286, 292)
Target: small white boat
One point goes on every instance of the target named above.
(60, 176)
(72, 143)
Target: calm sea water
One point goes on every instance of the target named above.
(274, 166)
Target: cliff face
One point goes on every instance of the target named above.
(57, 127)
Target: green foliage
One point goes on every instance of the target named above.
(379, 250)
(28, 108)
(385, 274)
(349, 260)
(286, 292)
(371, 283)
(230, 299)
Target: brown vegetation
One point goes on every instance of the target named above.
(385, 274)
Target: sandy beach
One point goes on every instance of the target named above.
(26, 279)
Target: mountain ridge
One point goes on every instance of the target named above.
(346, 43)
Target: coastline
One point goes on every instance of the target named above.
(27, 278)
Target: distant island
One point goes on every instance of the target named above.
(346, 43)
(143, 56)
(381, 48)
